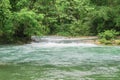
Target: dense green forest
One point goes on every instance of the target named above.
(21, 19)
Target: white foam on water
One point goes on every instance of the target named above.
(52, 44)
(58, 41)
(62, 39)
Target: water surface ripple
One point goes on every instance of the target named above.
(62, 60)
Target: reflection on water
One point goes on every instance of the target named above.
(59, 61)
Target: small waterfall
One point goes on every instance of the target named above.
(58, 41)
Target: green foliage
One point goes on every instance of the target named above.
(6, 27)
(106, 42)
(102, 19)
(108, 34)
(18, 25)
(79, 28)
(108, 37)
(26, 23)
(22, 19)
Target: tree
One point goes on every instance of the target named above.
(21, 19)
(6, 28)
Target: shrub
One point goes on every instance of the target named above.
(78, 28)
(106, 42)
(108, 34)
(63, 34)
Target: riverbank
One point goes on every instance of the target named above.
(97, 41)
(79, 39)
(63, 39)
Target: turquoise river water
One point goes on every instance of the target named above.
(59, 59)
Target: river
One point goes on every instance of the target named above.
(58, 58)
